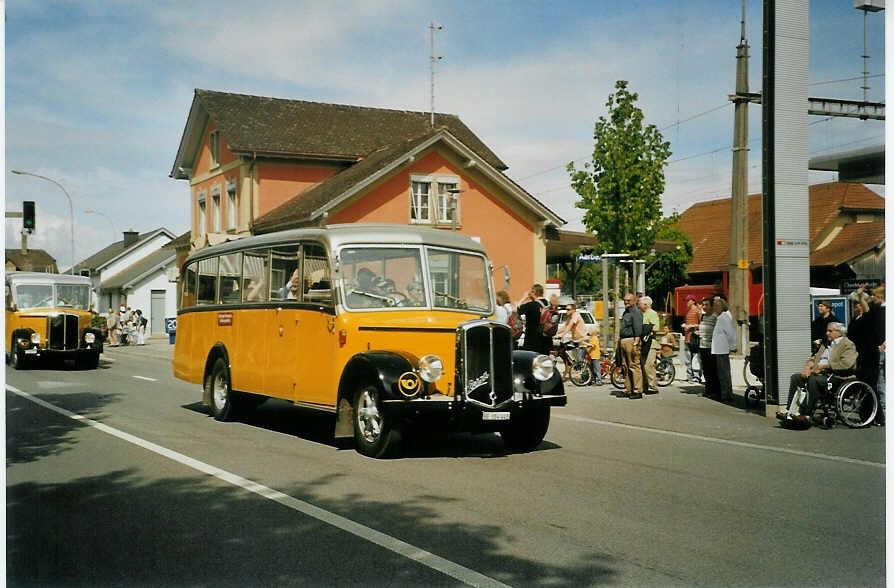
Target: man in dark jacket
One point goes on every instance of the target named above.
(820, 323)
(629, 342)
(530, 307)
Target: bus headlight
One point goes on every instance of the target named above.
(35, 338)
(89, 337)
(543, 367)
(430, 368)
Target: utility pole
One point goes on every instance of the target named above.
(432, 27)
(739, 270)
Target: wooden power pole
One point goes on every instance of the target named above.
(739, 269)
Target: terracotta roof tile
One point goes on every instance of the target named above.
(708, 223)
(853, 240)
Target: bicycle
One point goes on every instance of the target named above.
(575, 366)
(665, 372)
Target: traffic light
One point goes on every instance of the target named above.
(28, 215)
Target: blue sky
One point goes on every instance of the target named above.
(97, 92)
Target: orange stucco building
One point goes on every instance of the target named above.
(257, 165)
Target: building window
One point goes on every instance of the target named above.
(215, 210)
(231, 205)
(420, 209)
(431, 201)
(214, 146)
(200, 220)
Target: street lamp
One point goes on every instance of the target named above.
(70, 208)
(115, 232)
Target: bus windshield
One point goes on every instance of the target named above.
(459, 280)
(75, 296)
(383, 277)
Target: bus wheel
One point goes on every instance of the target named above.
(18, 360)
(527, 428)
(223, 401)
(87, 361)
(374, 434)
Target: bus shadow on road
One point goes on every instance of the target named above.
(283, 417)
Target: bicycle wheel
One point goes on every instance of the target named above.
(857, 404)
(749, 378)
(617, 377)
(580, 373)
(665, 372)
(559, 363)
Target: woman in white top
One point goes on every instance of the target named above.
(504, 308)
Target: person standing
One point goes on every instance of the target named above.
(723, 341)
(649, 346)
(821, 322)
(690, 333)
(530, 307)
(504, 308)
(705, 332)
(862, 332)
(877, 313)
(113, 324)
(629, 335)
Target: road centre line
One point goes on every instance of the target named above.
(745, 444)
(426, 558)
(145, 378)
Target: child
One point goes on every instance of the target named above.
(595, 359)
(666, 342)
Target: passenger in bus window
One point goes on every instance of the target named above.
(290, 290)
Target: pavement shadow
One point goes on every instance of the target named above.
(122, 529)
(49, 433)
(417, 442)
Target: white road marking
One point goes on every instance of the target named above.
(426, 558)
(145, 378)
(580, 419)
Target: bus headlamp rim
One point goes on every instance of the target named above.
(543, 367)
(430, 368)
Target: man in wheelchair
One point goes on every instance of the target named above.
(839, 358)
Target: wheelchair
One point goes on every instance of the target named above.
(847, 399)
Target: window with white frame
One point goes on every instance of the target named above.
(420, 206)
(431, 199)
(214, 146)
(215, 209)
(231, 204)
(200, 217)
(448, 202)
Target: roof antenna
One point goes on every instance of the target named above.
(432, 27)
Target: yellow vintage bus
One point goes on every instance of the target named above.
(48, 315)
(378, 325)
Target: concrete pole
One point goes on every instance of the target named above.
(617, 297)
(739, 271)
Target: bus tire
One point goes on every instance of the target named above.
(223, 401)
(374, 433)
(87, 361)
(526, 429)
(18, 361)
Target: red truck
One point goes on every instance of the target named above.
(755, 296)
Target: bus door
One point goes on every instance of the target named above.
(316, 343)
(282, 324)
(248, 357)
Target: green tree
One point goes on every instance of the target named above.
(620, 189)
(667, 269)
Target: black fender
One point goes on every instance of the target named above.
(17, 335)
(217, 350)
(381, 369)
(523, 379)
(97, 344)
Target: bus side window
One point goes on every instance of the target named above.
(230, 278)
(207, 289)
(317, 284)
(283, 263)
(254, 275)
(188, 287)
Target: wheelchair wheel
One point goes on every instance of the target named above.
(857, 404)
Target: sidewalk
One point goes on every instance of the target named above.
(156, 347)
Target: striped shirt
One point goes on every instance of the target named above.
(706, 331)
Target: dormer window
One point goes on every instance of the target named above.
(214, 145)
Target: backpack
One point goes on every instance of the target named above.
(516, 325)
(549, 321)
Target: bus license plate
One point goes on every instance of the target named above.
(495, 416)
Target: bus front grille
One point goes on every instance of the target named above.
(484, 362)
(62, 332)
